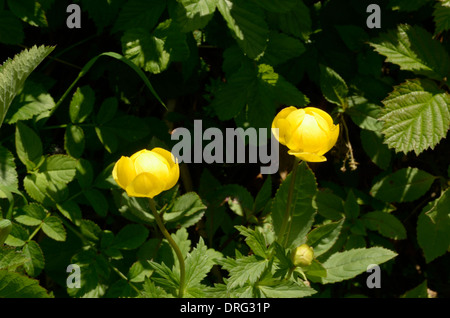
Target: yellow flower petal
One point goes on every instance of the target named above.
(123, 172)
(153, 163)
(174, 170)
(145, 185)
(307, 156)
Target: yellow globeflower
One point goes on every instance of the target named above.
(308, 132)
(302, 256)
(146, 173)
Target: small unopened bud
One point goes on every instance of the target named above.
(302, 256)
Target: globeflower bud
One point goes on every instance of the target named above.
(147, 173)
(308, 132)
(302, 256)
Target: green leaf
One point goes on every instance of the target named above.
(386, 224)
(14, 285)
(296, 21)
(10, 258)
(255, 240)
(416, 117)
(302, 211)
(364, 113)
(441, 16)
(8, 173)
(82, 104)
(5, 229)
(54, 228)
(40, 188)
(139, 14)
(33, 100)
(97, 200)
(29, 11)
(186, 211)
(281, 48)
(11, 30)
(247, 24)
(90, 230)
(74, 141)
(28, 146)
(285, 289)
(59, 168)
(70, 210)
(329, 205)
(413, 49)
(323, 237)
(37, 262)
(348, 264)
(102, 12)
(17, 237)
(420, 291)
(404, 185)
(245, 270)
(194, 14)
(107, 110)
(34, 214)
(333, 86)
(433, 227)
(407, 5)
(351, 206)
(13, 73)
(379, 153)
(130, 237)
(279, 6)
(129, 128)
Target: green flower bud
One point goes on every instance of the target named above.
(302, 256)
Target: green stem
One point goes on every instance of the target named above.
(287, 216)
(173, 244)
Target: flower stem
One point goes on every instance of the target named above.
(287, 216)
(172, 243)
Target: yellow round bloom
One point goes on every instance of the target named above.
(147, 173)
(302, 256)
(308, 132)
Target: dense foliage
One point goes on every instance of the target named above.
(74, 100)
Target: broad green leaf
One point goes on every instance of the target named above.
(13, 73)
(90, 230)
(139, 14)
(333, 86)
(194, 14)
(36, 262)
(8, 173)
(378, 152)
(441, 16)
(130, 237)
(255, 240)
(10, 258)
(284, 289)
(85, 173)
(296, 21)
(14, 285)
(245, 270)
(247, 24)
(351, 206)
(59, 168)
(74, 141)
(416, 117)
(107, 110)
(348, 264)
(404, 185)
(28, 146)
(82, 104)
(54, 228)
(102, 12)
(413, 49)
(364, 113)
(18, 236)
(34, 214)
(281, 48)
(70, 210)
(186, 211)
(323, 237)
(97, 200)
(299, 200)
(433, 227)
(40, 188)
(5, 229)
(11, 30)
(386, 224)
(32, 100)
(329, 205)
(420, 291)
(29, 11)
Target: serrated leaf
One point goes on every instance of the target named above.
(28, 146)
(90, 230)
(296, 21)
(433, 227)
(130, 237)
(13, 73)
(301, 207)
(413, 49)
(246, 270)
(82, 104)
(5, 229)
(194, 14)
(34, 214)
(255, 240)
(333, 86)
(404, 185)
(386, 224)
(185, 211)
(54, 228)
(14, 285)
(29, 11)
(441, 16)
(364, 113)
(10, 258)
(18, 236)
(285, 289)
(59, 168)
(36, 262)
(39, 187)
(247, 25)
(70, 210)
(416, 117)
(281, 48)
(323, 237)
(348, 264)
(8, 173)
